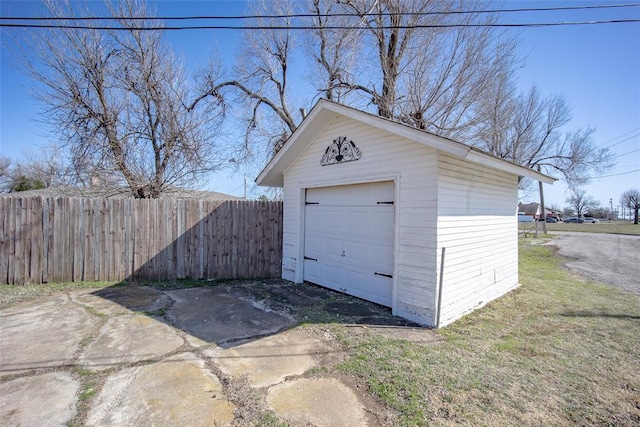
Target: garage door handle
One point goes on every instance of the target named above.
(390, 276)
(312, 259)
(385, 203)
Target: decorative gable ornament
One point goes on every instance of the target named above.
(341, 151)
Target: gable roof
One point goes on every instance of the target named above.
(324, 112)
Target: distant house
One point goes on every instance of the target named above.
(395, 215)
(530, 209)
(533, 209)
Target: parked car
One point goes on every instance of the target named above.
(551, 219)
(591, 220)
(575, 220)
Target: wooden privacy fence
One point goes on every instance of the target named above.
(73, 239)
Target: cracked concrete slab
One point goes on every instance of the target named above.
(270, 360)
(100, 305)
(38, 304)
(148, 387)
(44, 335)
(177, 391)
(319, 402)
(128, 339)
(41, 400)
(218, 316)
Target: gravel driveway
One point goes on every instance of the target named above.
(608, 258)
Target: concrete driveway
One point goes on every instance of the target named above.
(608, 258)
(226, 355)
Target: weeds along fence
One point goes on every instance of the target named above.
(73, 239)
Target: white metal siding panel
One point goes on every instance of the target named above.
(477, 226)
(384, 156)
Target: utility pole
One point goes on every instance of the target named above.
(543, 212)
(611, 203)
(245, 184)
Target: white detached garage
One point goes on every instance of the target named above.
(369, 204)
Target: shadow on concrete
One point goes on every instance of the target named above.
(234, 312)
(200, 271)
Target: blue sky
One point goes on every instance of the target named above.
(596, 67)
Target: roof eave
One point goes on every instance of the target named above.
(482, 158)
(319, 116)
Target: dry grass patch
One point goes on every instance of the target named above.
(616, 227)
(557, 351)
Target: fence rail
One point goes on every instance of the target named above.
(74, 239)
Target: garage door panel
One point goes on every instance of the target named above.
(334, 275)
(313, 244)
(381, 290)
(356, 252)
(358, 194)
(330, 277)
(349, 237)
(313, 271)
(325, 219)
(357, 281)
(382, 221)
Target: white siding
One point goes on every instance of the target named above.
(385, 157)
(477, 225)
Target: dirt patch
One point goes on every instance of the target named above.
(607, 258)
(350, 309)
(296, 295)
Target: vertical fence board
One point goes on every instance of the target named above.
(127, 240)
(4, 241)
(35, 268)
(87, 240)
(47, 226)
(78, 240)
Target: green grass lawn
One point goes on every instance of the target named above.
(616, 227)
(556, 351)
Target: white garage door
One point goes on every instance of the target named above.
(349, 239)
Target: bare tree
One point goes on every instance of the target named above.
(580, 202)
(118, 101)
(31, 175)
(385, 53)
(332, 48)
(416, 61)
(419, 71)
(5, 174)
(526, 128)
(261, 81)
(631, 199)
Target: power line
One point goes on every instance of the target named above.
(314, 27)
(312, 15)
(618, 174)
(620, 155)
(624, 140)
